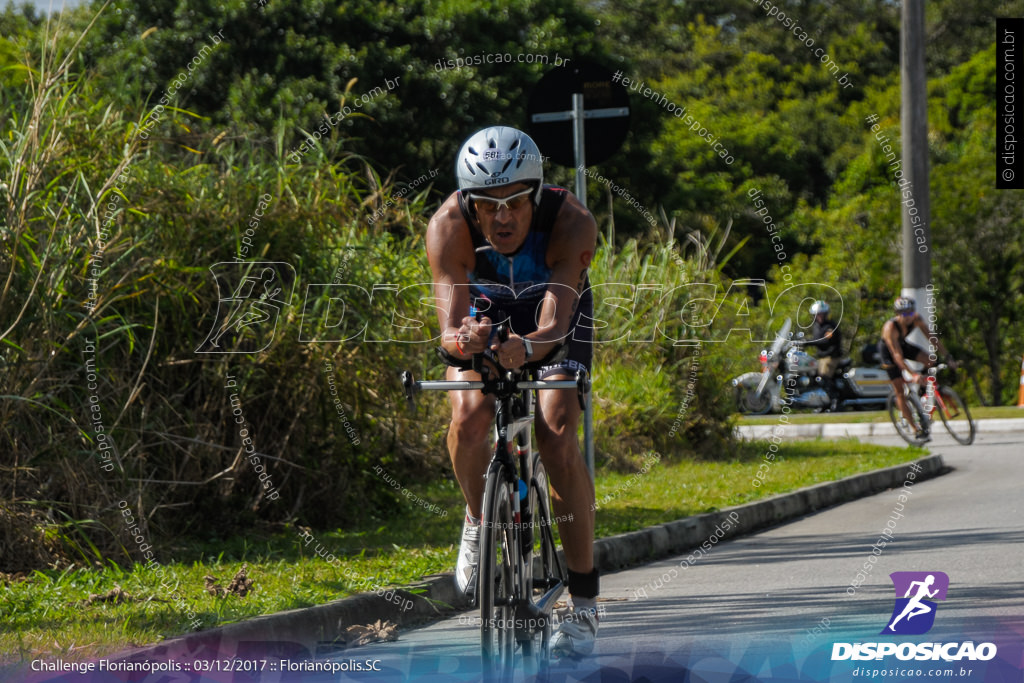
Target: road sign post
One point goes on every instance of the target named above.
(579, 138)
(579, 115)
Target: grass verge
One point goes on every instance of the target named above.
(53, 613)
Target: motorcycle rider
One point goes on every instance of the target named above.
(826, 337)
(894, 350)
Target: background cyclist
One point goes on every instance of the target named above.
(519, 250)
(894, 350)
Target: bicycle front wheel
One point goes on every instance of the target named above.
(497, 577)
(908, 431)
(955, 416)
(547, 575)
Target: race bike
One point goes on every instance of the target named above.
(789, 375)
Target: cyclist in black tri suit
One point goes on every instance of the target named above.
(517, 250)
(894, 350)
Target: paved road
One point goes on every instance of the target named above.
(756, 601)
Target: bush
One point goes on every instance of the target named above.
(127, 234)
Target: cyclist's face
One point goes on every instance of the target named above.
(507, 225)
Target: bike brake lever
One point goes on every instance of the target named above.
(582, 388)
(410, 388)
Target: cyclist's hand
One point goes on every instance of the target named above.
(510, 353)
(473, 335)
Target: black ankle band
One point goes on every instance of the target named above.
(584, 585)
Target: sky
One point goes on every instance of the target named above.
(44, 5)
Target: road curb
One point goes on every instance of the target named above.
(312, 630)
(827, 430)
(652, 543)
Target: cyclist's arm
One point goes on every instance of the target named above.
(570, 251)
(450, 253)
(921, 325)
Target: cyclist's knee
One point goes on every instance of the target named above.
(471, 420)
(556, 436)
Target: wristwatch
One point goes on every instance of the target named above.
(528, 346)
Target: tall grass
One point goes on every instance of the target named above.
(107, 292)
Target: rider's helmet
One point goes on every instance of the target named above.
(904, 304)
(496, 156)
(819, 306)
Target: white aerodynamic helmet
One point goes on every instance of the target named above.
(499, 155)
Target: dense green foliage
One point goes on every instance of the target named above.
(146, 154)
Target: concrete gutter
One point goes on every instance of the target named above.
(838, 431)
(313, 631)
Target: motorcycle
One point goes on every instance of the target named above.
(789, 375)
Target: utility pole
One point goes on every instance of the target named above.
(914, 197)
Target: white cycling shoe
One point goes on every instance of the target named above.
(576, 635)
(469, 558)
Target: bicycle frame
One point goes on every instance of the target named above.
(929, 394)
(513, 419)
(932, 398)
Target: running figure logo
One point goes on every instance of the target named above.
(914, 612)
(251, 298)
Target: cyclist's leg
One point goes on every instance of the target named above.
(918, 354)
(896, 375)
(901, 400)
(557, 419)
(558, 414)
(896, 379)
(469, 438)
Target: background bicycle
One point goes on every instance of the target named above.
(927, 400)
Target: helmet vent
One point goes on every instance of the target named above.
(499, 155)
